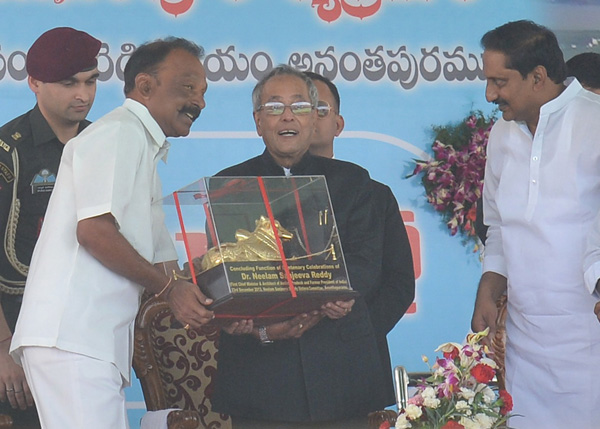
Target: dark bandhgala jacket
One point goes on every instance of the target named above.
(334, 371)
(394, 289)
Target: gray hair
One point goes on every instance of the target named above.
(284, 69)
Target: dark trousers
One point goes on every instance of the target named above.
(27, 419)
(241, 423)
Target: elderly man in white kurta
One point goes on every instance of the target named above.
(541, 195)
(102, 235)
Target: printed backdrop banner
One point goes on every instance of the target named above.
(401, 66)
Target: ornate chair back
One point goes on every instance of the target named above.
(176, 367)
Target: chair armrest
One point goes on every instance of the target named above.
(183, 419)
(376, 418)
(171, 418)
(6, 421)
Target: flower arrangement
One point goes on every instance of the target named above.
(458, 394)
(453, 179)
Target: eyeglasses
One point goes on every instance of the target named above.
(277, 108)
(323, 109)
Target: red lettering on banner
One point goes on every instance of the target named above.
(330, 10)
(197, 242)
(361, 11)
(414, 237)
(327, 11)
(176, 8)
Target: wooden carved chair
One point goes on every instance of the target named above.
(5, 421)
(176, 367)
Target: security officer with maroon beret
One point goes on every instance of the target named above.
(62, 69)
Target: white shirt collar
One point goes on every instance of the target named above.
(157, 134)
(572, 89)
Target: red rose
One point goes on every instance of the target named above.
(452, 354)
(483, 373)
(385, 425)
(507, 402)
(452, 425)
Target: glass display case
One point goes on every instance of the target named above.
(272, 247)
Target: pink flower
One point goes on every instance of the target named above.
(416, 400)
(457, 395)
(472, 121)
(453, 180)
(418, 168)
(450, 386)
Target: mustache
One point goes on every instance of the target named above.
(193, 110)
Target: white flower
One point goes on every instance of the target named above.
(438, 371)
(488, 395)
(448, 347)
(489, 362)
(432, 403)
(463, 406)
(467, 361)
(428, 393)
(467, 394)
(413, 412)
(469, 423)
(484, 421)
(402, 423)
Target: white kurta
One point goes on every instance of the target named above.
(72, 301)
(541, 196)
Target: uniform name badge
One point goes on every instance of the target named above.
(43, 182)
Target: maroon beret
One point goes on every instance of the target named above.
(61, 53)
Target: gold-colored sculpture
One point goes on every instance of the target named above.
(259, 245)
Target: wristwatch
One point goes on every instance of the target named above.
(262, 335)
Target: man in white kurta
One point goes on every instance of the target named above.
(96, 178)
(541, 195)
(101, 237)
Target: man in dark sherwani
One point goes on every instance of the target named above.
(321, 369)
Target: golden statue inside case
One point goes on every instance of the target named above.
(258, 245)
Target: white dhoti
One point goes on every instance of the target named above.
(74, 391)
(553, 370)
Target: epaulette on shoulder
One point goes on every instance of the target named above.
(7, 144)
(10, 136)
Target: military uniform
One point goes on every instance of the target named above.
(29, 158)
